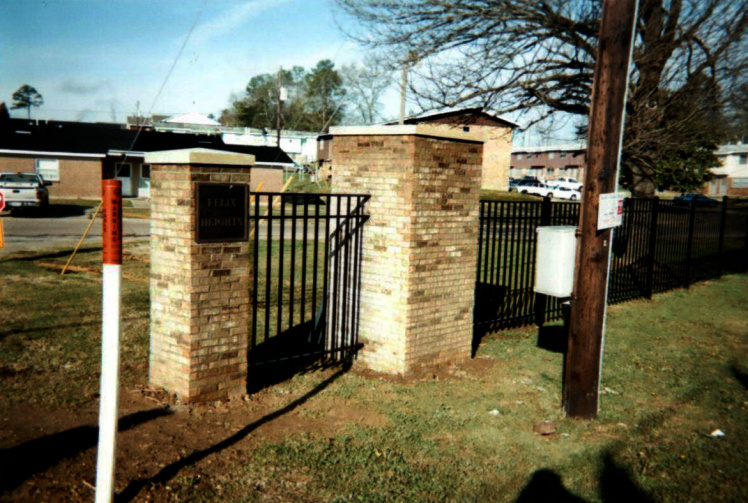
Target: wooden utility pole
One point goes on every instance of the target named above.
(279, 122)
(589, 300)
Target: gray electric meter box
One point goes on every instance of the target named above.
(554, 265)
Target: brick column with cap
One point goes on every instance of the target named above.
(421, 243)
(199, 291)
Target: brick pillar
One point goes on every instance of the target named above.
(199, 292)
(420, 245)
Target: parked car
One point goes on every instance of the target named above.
(24, 190)
(567, 193)
(534, 188)
(519, 185)
(568, 183)
(697, 199)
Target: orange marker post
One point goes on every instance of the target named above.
(110, 336)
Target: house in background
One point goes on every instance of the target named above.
(549, 163)
(76, 156)
(495, 131)
(298, 145)
(731, 179)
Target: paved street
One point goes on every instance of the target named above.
(32, 233)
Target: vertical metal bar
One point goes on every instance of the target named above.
(356, 273)
(501, 263)
(541, 300)
(292, 279)
(514, 259)
(256, 266)
(744, 259)
(529, 237)
(281, 246)
(315, 258)
(304, 245)
(335, 277)
(491, 269)
(481, 209)
(344, 325)
(721, 237)
(268, 270)
(325, 301)
(689, 245)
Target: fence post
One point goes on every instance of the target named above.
(689, 245)
(655, 211)
(721, 243)
(745, 237)
(541, 300)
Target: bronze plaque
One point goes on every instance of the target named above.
(221, 212)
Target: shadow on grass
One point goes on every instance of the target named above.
(615, 486)
(28, 330)
(26, 256)
(51, 211)
(170, 471)
(553, 338)
(24, 460)
(739, 375)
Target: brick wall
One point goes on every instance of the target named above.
(420, 245)
(497, 149)
(78, 177)
(199, 292)
(273, 178)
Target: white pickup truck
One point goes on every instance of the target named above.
(24, 190)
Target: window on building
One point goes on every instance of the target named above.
(465, 129)
(49, 169)
(740, 183)
(551, 155)
(562, 156)
(519, 156)
(145, 171)
(743, 159)
(549, 171)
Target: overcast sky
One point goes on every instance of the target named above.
(95, 60)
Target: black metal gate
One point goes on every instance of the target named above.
(305, 276)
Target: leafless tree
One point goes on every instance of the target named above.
(365, 85)
(537, 58)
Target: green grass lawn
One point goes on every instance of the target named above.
(675, 369)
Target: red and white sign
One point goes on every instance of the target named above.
(2, 201)
(610, 211)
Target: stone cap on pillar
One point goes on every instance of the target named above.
(199, 156)
(431, 130)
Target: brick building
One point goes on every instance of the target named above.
(76, 156)
(549, 163)
(731, 178)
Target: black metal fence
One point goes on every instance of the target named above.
(306, 271)
(661, 245)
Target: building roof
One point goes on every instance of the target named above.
(740, 148)
(471, 113)
(570, 147)
(87, 139)
(192, 118)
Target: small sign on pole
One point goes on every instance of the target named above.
(610, 211)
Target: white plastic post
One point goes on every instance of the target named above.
(110, 335)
